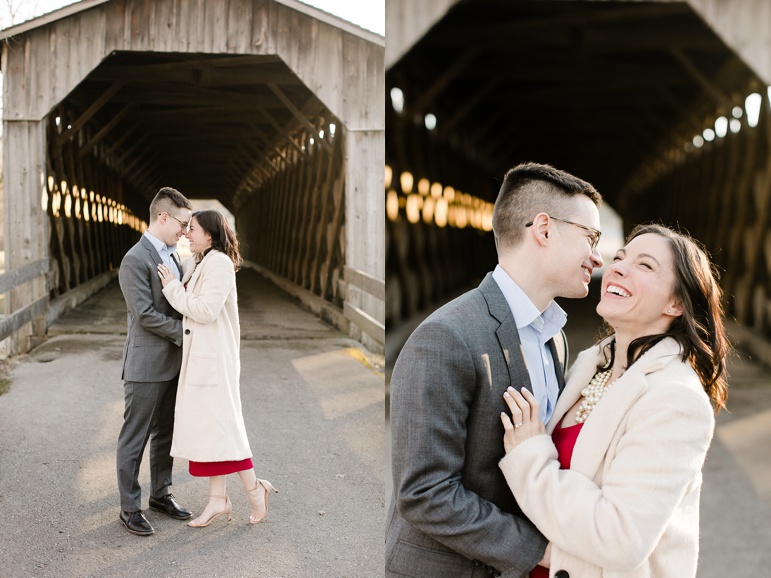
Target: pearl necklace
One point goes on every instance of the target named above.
(592, 393)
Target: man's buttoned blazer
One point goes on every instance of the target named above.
(153, 349)
(453, 514)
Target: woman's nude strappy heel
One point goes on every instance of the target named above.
(228, 509)
(267, 487)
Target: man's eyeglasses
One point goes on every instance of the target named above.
(594, 237)
(185, 225)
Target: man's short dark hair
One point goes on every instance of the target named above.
(167, 200)
(529, 189)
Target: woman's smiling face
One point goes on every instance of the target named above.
(638, 287)
(199, 239)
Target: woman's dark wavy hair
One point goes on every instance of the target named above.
(699, 330)
(223, 238)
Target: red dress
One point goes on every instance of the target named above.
(206, 469)
(564, 439)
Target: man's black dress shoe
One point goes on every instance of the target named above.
(136, 523)
(169, 506)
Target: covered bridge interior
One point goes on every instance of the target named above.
(649, 101)
(270, 107)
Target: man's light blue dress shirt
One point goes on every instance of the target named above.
(535, 330)
(165, 252)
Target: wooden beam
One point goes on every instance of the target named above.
(267, 143)
(697, 75)
(23, 316)
(76, 125)
(298, 115)
(132, 148)
(16, 277)
(281, 130)
(120, 141)
(468, 105)
(105, 130)
(428, 95)
(137, 158)
(365, 282)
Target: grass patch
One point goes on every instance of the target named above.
(5, 385)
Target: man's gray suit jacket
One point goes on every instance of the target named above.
(153, 350)
(453, 514)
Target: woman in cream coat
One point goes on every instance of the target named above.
(629, 503)
(208, 424)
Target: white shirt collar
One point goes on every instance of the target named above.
(158, 244)
(525, 313)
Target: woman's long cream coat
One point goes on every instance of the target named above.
(208, 421)
(629, 504)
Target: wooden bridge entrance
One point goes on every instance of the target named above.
(271, 107)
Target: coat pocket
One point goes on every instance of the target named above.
(203, 370)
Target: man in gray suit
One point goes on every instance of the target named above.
(452, 514)
(152, 358)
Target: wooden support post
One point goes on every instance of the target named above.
(24, 221)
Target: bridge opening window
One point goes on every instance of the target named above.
(721, 126)
(397, 99)
(752, 106)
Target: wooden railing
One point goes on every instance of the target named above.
(364, 321)
(13, 279)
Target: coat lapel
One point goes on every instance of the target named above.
(196, 273)
(578, 377)
(175, 258)
(188, 268)
(557, 363)
(154, 255)
(603, 423)
(508, 336)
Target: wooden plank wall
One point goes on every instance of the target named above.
(24, 166)
(326, 58)
(294, 224)
(343, 67)
(365, 232)
(89, 227)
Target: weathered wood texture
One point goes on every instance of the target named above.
(365, 230)
(25, 238)
(131, 121)
(407, 21)
(294, 225)
(324, 57)
(90, 228)
(744, 26)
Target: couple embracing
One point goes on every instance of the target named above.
(181, 366)
(505, 466)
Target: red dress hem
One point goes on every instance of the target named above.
(208, 469)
